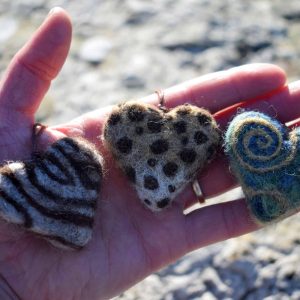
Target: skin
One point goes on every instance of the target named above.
(129, 242)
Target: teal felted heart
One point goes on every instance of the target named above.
(265, 157)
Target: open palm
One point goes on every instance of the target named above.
(129, 242)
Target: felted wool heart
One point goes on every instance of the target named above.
(161, 151)
(55, 194)
(265, 158)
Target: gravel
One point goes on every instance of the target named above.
(125, 49)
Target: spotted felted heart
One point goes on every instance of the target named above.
(265, 158)
(55, 194)
(161, 151)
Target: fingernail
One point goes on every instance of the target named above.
(54, 10)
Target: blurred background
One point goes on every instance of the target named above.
(125, 49)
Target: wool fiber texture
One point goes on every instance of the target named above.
(55, 194)
(161, 151)
(264, 156)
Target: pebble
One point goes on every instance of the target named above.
(10, 26)
(95, 50)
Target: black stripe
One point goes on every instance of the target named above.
(88, 153)
(83, 150)
(79, 167)
(80, 164)
(18, 207)
(42, 165)
(52, 159)
(56, 196)
(69, 217)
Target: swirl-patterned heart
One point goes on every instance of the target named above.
(265, 158)
(55, 194)
(161, 151)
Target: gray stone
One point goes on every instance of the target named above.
(132, 81)
(140, 12)
(190, 38)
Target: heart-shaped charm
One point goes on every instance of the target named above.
(55, 194)
(161, 151)
(265, 158)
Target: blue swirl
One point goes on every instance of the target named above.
(256, 144)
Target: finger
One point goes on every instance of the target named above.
(216, 223)
(284, 105)
(28, 77)
(214, 180)
(222, 89)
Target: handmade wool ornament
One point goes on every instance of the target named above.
(265, 158)
(159, 150)
(55, 194)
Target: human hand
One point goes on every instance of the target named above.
(129, 242)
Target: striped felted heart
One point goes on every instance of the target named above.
(55, 194)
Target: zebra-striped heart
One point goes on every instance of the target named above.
(55, 194)
(265, 158)
(161, 151)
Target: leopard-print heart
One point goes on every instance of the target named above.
(161, 151)
(265, 158)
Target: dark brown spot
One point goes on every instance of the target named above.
(203, 119)
(188, 156)
(152, 162)
(150, 182)
(155, 125)
(124, 145)
(159, 146)
(130, 172)
(139, 130)
(170, 169)
(211, 151)
(171, 188)
(135, 113)
(180, 127)
(184, 140)
(147, 202)
(184, 110)
(114, 118)
(153, 111)
(163, 203)
(200, 137)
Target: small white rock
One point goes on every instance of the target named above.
(8, 28)
(95, 50)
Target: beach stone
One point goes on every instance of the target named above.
(95, 50)
(10, 24)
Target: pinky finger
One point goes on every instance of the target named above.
(218, 222)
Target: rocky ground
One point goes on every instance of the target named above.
(124, 49)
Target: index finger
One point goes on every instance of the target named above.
(219, 90)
